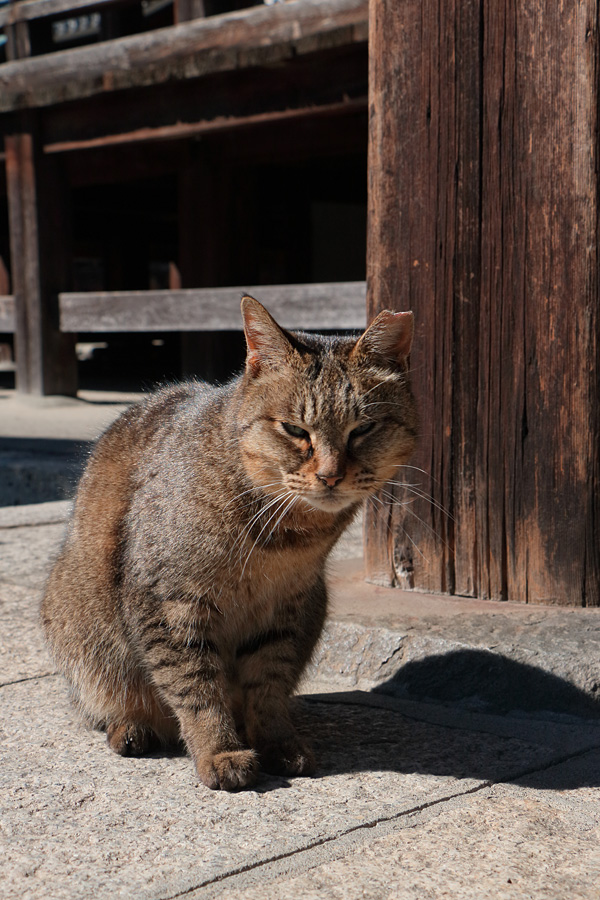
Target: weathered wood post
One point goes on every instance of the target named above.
(483, 218)
(39, 231)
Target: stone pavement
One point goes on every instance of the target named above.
(458, 745)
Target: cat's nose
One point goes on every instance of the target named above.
(330, 480)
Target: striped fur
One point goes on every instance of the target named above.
(189, 595)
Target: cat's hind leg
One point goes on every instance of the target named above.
(141, 725)
(131, 739)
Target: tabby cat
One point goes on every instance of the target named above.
(189, 594)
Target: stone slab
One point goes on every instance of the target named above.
(23, 653)
(27, 553)
(79, 821)
(503, 842)
(54, 513)
(80, 418)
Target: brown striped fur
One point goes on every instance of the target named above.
(189, 594)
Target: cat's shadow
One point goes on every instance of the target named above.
(350, 735)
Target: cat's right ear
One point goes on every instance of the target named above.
(389, 336)
(268, 345)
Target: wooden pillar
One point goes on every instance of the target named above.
(483, 220)
(18, 44)
(39, 238)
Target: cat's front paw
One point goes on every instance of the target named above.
(230, 771)
(287, 758)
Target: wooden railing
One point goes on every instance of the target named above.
(312, 307)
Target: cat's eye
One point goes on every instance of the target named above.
(364, 428)
(296, 431)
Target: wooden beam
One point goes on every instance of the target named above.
(315, 307)
(255, 36)
(181, 130)
(539, 408)
(18, 44)
(423, 254)
(7, 314)
(186, 10)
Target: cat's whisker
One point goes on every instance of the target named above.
(283, 514)
(373, 403)
(255, 489)
(424, 496)
(261, 496)
(405, 532)
(416, 469)
(245, 531)
(274, 501)
(396, 500)
(261, 511)
(405, 505)
(391, 377)
(277, 510)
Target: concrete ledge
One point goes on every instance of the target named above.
(32, 514)
(473, 654)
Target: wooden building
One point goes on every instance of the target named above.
(229, 147)
(227, 150)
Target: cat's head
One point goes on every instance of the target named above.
(325, 419)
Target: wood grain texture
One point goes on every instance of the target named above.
(255, 36)
(423, 255)
(305, 306)
(483, 220)
(538, 395)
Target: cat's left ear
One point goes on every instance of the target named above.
(268, 345)
(389, 336)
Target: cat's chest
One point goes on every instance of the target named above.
(272, 574)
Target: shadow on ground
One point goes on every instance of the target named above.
(483, 681)
(358, 737)
(40, 470)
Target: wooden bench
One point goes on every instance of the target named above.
(309, 307)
